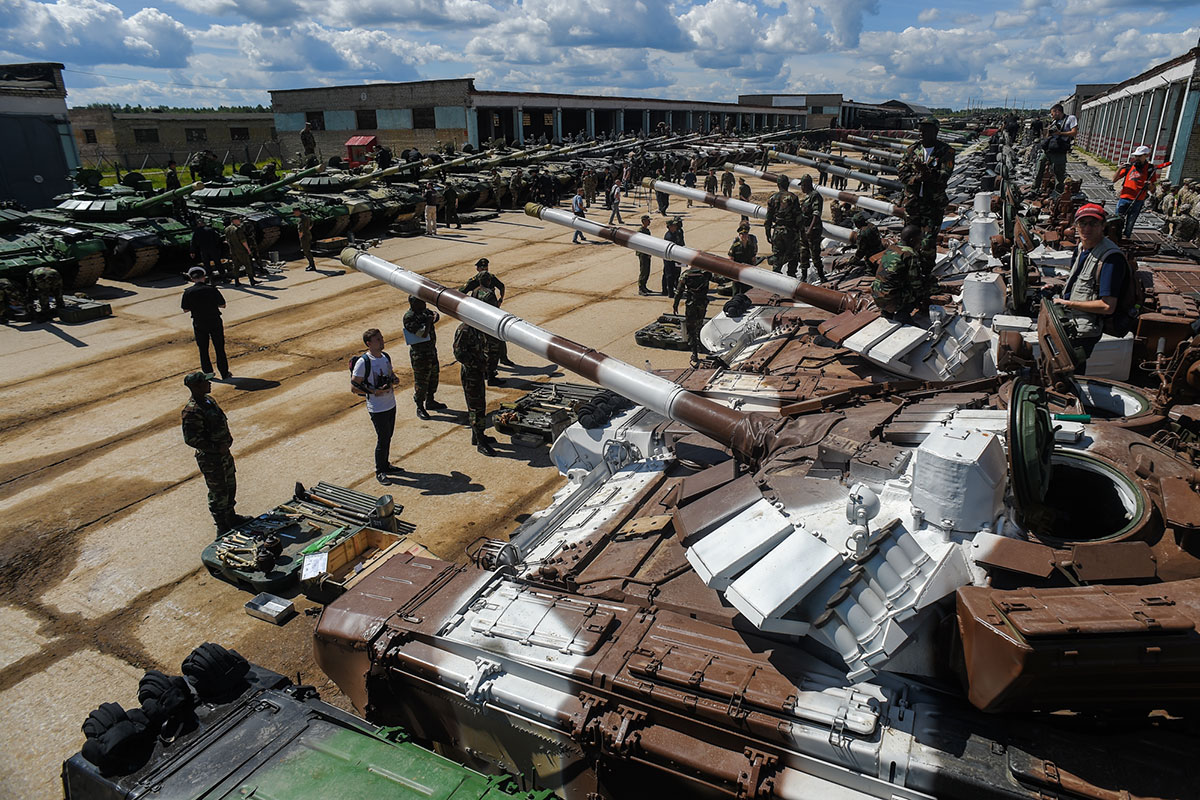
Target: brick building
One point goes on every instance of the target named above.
(423, 113)
(151, 138)
(37, 153)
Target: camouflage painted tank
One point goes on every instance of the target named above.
(132, 227)
(25, 244)
(264, 206)
(367, 205)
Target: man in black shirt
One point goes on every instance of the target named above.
(206, 249)
(204, 303)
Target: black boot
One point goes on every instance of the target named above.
(483, 443)
(434, 404)
(421, 412)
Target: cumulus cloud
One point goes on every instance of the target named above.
(846, 17)
(929, 15)
(93, 32)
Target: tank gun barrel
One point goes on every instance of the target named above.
(846, 161)
(165, 197)
(890, 155)
(644, 388)
(375, 175)
(830, 300)
(836, 232)
(286, 180)
(892, 145)
(513, 156)
(833, 169)
(867, 203)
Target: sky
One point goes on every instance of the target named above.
(1026, 53)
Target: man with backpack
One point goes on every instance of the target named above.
(1096, 294)
(371, 377)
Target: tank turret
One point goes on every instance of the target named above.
(241, 194)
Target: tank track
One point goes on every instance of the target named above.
(90, 270)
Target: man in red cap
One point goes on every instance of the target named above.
(1097, 279)
(1137, 182)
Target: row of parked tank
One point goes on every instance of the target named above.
(126, 230)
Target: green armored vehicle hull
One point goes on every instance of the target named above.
(278, 740)
(26, 244)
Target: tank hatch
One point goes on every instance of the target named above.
(1030, 444)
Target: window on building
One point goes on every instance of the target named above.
(548, 120)
(195, 135)
(89, 135)
(364, 120)
(526, 120)
(239, 134)
(316, 119)
(424, 118)
(145, 135)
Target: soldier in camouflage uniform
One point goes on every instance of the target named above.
(867, 242)
(304, 232)
(1183, 225)
(782, 227)
(497, 286)
(8, 293)
(46, 283)
(516, 185)
(486, 291)
(899, 284)
(419, 324)
(471, 352)
(239, 250)
(727, 183)
(497, 188)
(811, 207)
(710, 182)
(644, 260)
(589, 186)
(925, 170)
(207, 430)
(693, 288)
(744, 250)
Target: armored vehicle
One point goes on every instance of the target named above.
(830, 601)
(26, 244)
(134, 239)
(351, 190)
(264, 207)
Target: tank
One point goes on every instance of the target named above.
(868, 599)
(265, 207)
(847, 161)
(861, 146)
(273, 738)
(833, 169)
(352, 190)
(135, 236)
(26, 244)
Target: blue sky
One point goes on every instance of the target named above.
(210, 52)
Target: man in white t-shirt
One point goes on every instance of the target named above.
(372, 377)
(579, 209)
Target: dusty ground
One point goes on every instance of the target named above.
(103, 509)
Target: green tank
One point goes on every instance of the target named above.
(26, 244)
(367, 206)
(264, 206)
(134, 231)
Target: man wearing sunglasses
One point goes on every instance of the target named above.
(1096, 281)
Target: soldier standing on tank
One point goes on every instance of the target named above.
(304, 232)
(925, 170)
(693, 289)
(899, 283)
(178, 207)
(674, 234)
(727, 183)
(206, 429)
(810, 229)
(46, 283)
(471, 352)
(307, 140)
(421, 336)
(781, 227)
(744, 250)
(239, 250)
(644, 260)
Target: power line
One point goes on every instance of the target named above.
(164, 83)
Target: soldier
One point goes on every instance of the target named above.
(204, 302)
(693, 288)
(1183, 225)
(924, 171)
(710, 182)
(899, 283)
(670, 268)
(485, 290)
(589, 186)
(239, 250)
(471, 352)
(450, 200)
(497, 188)
(304, 232)
(727, 183)
(206, 429)
(810, 229)
(206, 249)
(45, 282)
(664, 199)
(172, 177)
(8, 293)
(516, 185)
(867, 242)
(744, 250)
(307, 140)
(781, 227)
(743, 190)
(644, 260)
(497, 287)
(421, 336)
